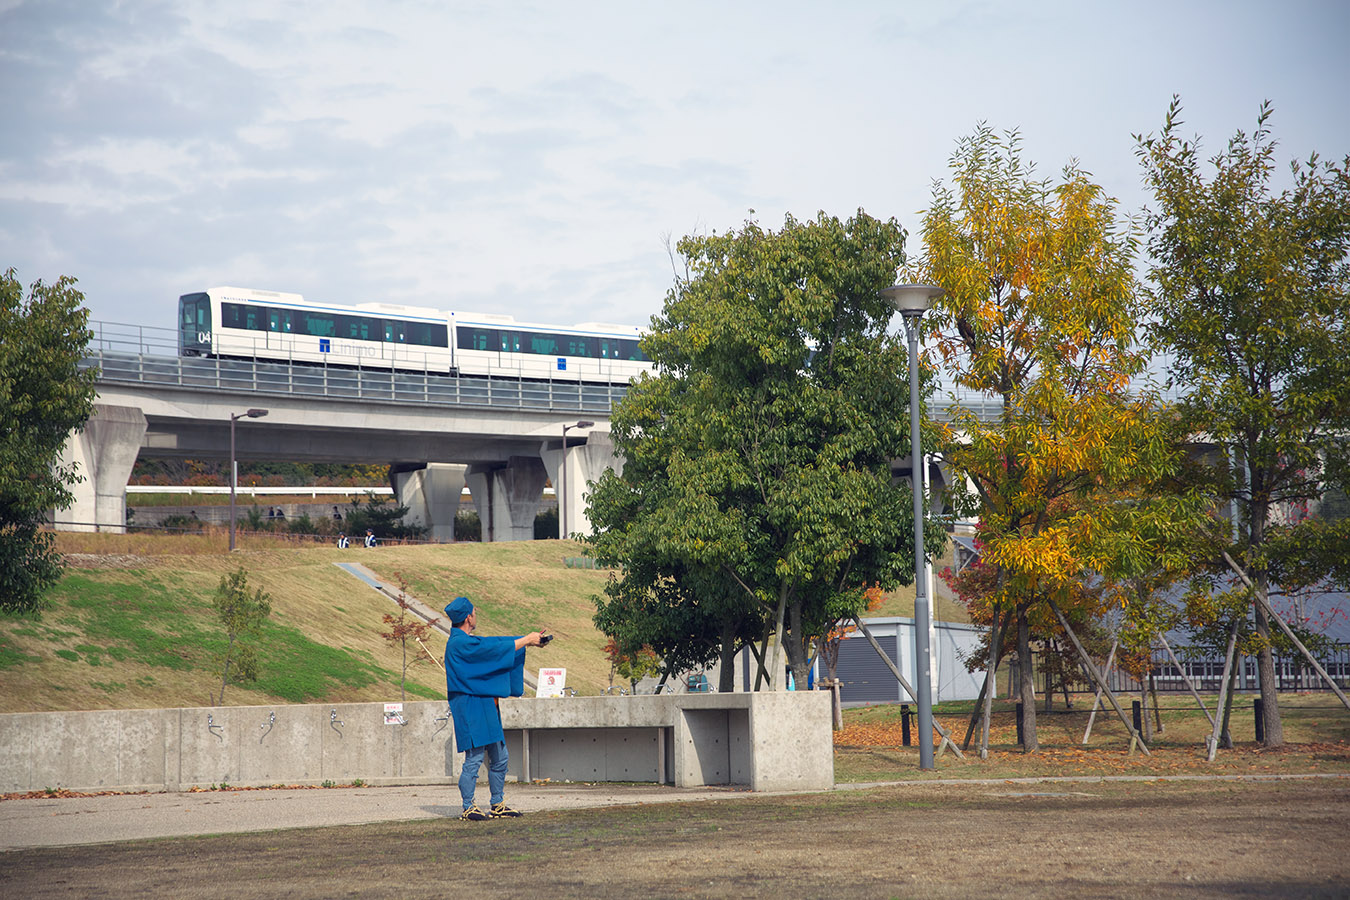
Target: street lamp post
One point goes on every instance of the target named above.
(562, 479)
(912, 301)
(234, 468)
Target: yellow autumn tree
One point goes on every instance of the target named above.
(1039, 313)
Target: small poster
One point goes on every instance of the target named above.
(393, 714)
(551, 683)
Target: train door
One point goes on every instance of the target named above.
(281, 331)
(395, 346)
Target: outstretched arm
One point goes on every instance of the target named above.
(533, 639)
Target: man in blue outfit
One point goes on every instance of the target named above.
(478, 670)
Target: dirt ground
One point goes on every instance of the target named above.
(1190, 840)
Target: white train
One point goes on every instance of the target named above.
(248, 324)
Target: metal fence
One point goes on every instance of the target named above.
(1292, 673)
(141, 355)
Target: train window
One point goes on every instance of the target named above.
(476, 338)
(545, 344)
(632, 350)
(274, 320)
(579, 346)
(319, 324)
(388, 330)
(510, 341)
(234, 315)
(425, 334)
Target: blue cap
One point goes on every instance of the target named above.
(458, 610)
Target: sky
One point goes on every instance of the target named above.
(540, 159)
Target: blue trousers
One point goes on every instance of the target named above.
(497, 764)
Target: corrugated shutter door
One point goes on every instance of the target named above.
(866, 679)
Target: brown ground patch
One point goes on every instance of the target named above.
(1283, 839)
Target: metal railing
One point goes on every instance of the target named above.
(149, 355)
(143, 355)
(1292, 673)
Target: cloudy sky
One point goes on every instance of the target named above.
(535, 158)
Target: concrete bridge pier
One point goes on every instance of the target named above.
(507, 497)
(431, 492)
(585, 463)
(104, 452)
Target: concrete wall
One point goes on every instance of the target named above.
(765, 741)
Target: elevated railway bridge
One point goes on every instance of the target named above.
(502, 435)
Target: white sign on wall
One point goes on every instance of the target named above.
(551, 683)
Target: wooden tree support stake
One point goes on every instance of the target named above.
(1097, 677)
(984, 702)
(1186, 678)
(1212, 742)
(1097, 698)
(1279, 620)
(946, 738)
(428, 653)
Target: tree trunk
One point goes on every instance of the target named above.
(775, 667)
(1226, 736)
(1028, 683)
(1049, 684)
(1265, 658)
(1153, 695)
(1265, 671)
(796, 647)
(1144, 721)
(726, 680)
(995, 650)
(225, 671)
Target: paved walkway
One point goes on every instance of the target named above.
(60, 822)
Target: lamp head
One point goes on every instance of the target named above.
(912, 300)
(584, 424)
(256, 413)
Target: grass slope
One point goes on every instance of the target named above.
(131, 623)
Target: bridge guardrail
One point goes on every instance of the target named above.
(289, 379)
(143, 354)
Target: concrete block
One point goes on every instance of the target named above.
(632, 754)
(428, 746)
(279, 751)
(209, 744)
(791, 741)
(139, 749)
(83, 747)
(701, 748)
(568, 754)
(362, 746)
(18, 757)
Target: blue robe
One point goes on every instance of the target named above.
(478, 670)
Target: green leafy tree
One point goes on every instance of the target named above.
(1250, 301)
(44, 397)
(243, 615)
(756, 486)
(1039, 314)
